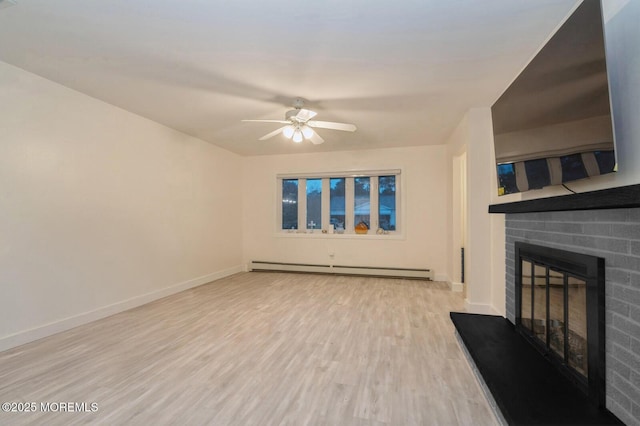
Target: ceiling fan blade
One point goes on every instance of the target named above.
(304, 115)
(272, 134)
(269, 121)
(331, 125)
(316, 139)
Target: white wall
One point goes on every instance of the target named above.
(458, 223)
(484, 240)
(102, 210)
(456, 190)
(424, 171)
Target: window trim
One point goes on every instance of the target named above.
(340, 174)
(302, 231)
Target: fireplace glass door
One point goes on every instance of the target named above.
(559, 301)
(527, 295)
(577, 319)
(554, 311)
(540, 302)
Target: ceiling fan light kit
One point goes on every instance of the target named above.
(299, 125)
(297, 136)
(307, 132)
(287, 131)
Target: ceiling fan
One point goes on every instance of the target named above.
(299, 126)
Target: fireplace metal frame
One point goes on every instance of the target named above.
(591, 270)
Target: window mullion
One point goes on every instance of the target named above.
(349, 205)
(398, 204)
(373, 202)
(302, 204)
(326, 201)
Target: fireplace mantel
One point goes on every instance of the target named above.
(612, 198)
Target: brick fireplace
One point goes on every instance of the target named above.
(612, 233)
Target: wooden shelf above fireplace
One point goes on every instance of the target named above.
(612, 198)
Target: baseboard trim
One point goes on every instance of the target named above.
(329, 268)
(27, 336)
(441, 277)
(456, 287)
(480, 308)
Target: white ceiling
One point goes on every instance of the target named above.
(404, 72)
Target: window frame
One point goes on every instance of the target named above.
(349, 231)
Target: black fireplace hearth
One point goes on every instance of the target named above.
(526, 387)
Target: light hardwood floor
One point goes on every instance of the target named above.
(259, 349)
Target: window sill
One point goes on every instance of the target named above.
(318, 234)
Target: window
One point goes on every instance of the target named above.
(361, 201)
(387, 202)
(290, 204)
(337, 202)
(314, 203)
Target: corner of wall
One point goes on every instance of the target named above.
(456, 287)
(480, 308)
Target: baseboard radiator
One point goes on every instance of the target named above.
(423, 274)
